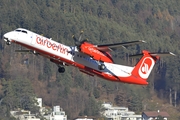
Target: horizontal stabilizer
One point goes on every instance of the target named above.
(163, 54)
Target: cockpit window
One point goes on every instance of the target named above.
(23, 31)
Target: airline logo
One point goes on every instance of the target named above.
(146, 67)
(51, 45)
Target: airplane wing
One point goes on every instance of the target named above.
(24, 51)
(27, 51)
(110, 47)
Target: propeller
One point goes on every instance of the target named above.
(79, 41)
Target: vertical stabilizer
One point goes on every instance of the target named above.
(145, 65)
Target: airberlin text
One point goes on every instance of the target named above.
(51, 45)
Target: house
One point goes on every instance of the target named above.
(151, 115)
(56, 114)
(39, 102)
(119, 113)
(23, 115)
(28, 117)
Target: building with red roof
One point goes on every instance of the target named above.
(153, 115)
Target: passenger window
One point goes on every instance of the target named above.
(24, 31)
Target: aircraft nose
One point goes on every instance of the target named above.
(5, 37)
(8, 37)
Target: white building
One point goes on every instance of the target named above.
(23, 115)
(28, 117)
(57, 114)
(119, 113)
(39, 101)
(42, 109)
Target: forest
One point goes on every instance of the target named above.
(26, 76)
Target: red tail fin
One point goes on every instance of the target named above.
(145, 65)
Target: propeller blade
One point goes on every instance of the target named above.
(77, 42)
(80, 36)
(74, 38)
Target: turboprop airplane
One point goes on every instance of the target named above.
(88, 58)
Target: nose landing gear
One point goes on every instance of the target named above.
(8, 42)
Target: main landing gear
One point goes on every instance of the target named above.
(61, 69)
(101, 66)
(60, 65)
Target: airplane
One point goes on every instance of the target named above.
(94, 60)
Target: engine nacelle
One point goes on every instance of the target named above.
(96, 54)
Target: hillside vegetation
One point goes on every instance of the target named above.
(24, 76)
